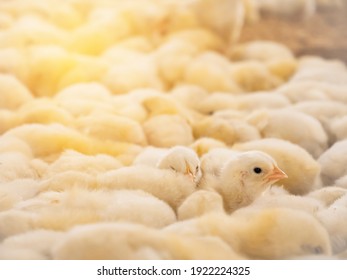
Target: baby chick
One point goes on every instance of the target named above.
(333, 162)
(129, 241)
(297, 163)
(245, 176)
(172, 187)
(182, 159)
(274, 233)
(35, 244)
(199, 203)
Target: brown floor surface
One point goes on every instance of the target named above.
(323, 34)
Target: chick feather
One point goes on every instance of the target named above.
(13, 92)
(168, 185)
(265, 234)
(130, 242)
(332, 162)
(61, 210)
(167, 131)
(35, 245)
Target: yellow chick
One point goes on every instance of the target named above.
(183, 160)
(333, 219)
(13, 92)
(265, 234)
(166, 184)
(300, 129)
(17, 190)
(260, 50)
(71, 160)
(125, 241)
(77, 205)
(332, 162)
(246, 176)
(168, 131)
(15, 165)
(13, 222)
(109, 127)
(205, 144)
(31, 245)
(200, 203)
(302, 170)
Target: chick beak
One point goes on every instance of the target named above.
(189, 173)
(276, 174)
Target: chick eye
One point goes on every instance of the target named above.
(257, 170)
(197, 169)
(172, 168)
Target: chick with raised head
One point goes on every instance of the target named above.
(246, 176)
(302, 170)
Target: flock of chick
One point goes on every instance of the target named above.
(134, 130)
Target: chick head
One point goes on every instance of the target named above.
(254, 171)
(183, 160)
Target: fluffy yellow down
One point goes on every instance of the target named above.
(91, 92)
